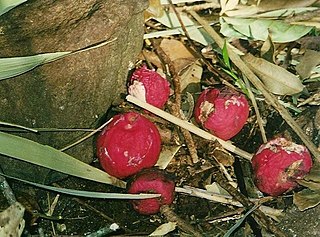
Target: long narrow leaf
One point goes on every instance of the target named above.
(7, 5)
(46, 156)
(88, 194)
(11, 67)
(14, 66)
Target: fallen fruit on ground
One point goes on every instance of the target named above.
(151, 181)
(129, 143)
(149, 86)
(223, 112)
(278, 164)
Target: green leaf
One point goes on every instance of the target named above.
(88, 194)
(225, 55)
(7, 5)
(11, 67)
(46, 156)
(258, 29)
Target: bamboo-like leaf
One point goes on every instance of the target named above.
(7, 5)
(11, 67)
(46, 156)
(258, 29)
(277, 80)
(88, 194)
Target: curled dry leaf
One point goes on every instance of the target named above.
(178, 53)
(276, 79)
(306, 199)
(164, 229)
(309, 61)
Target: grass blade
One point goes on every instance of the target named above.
(11, 67)
(46, 156)
(88, 194)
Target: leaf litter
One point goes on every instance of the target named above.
(217, 186)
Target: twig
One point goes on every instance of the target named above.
(86, 137)
(182, 224)
(190, 127)
(259, 85)
(177, 103)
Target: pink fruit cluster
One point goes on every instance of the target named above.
(149, 86)
(152, 181)
(223, 112)
(278, 164)
(128, 145)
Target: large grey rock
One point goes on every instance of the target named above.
(76, 91)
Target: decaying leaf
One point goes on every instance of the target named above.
(276, 79)
(164, 229)
(155, 9)
(309, 61)
(191, 76)
(267, 50)
(310, 184)
(257, 29)
(178, 53)
(166, 155)
(11, 220)
(314, 174)
(227, 5)
(306, 199)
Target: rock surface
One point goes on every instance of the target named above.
(76, 91)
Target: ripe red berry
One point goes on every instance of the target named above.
(223, 112)
(151, 181)
(149, 86)
(278, 164)
(128, 144)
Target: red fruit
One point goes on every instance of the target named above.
(152, 181)
(149, 86)
(223, 112)
(128, 144)
(278, 164)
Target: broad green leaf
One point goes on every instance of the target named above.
(46, 156)
(88, 194)
(7, 5)
(258, 29)
(170, 20)
(11, 67)
(276, 79)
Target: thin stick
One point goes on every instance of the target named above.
(271, 99)
(190, 127)
(87, 136)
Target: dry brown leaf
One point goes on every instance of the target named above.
(276, 79)
(309, 61)
(178, 53)
(306, 199)
(155, 9)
